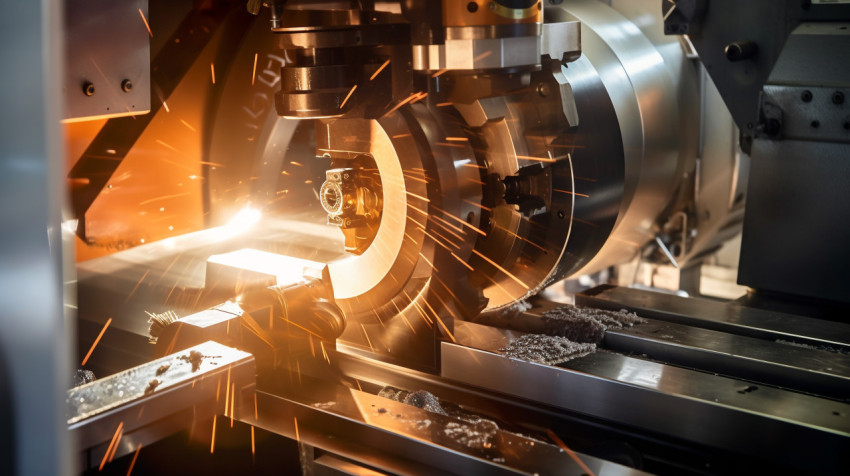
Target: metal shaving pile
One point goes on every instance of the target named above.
(158, 322)
(479, 435)
(471, 431)
(584, 324)
(549, 350)
(82, 377)
(419, 399)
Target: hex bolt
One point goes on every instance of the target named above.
(837, 98)
(126, 85)
(806, 96)
(88, 89)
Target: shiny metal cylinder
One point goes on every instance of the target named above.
(637, 100)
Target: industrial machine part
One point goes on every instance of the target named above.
(786, 94)
(368, 197)
(497, 179)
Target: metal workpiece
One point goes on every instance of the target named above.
(398, 438)
(805, 432)
(730, 317)
(107, 59)
(114, 415)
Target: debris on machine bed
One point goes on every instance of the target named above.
(544, 349)
(578, 324)
(469, 431)
(585, 324)
(158, 322)
(82, 377)
(419, 399)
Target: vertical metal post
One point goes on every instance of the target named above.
(33, 335)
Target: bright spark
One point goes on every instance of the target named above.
(570, 452)
(86, 358)
(501, 269)
(348, 96)
(147, 25)
(212, 441)
(376, 73)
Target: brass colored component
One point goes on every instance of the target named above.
(353, 198)
(490, 12)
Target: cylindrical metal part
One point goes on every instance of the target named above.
(654, 101)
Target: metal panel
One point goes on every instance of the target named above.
(765, 23)
(812, 113)
(107, 58)
(796, 229)
(33, 345)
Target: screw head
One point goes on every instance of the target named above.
(472, 7)
(806, 96)
(88, 89)
(126, 85)
(838, 98)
